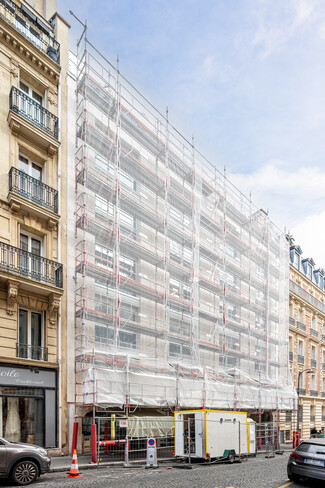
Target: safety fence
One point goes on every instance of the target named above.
(126, 439)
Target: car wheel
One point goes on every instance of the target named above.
(293, 477)
(24, 473)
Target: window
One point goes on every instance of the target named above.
(30, 335)
(105, 336)
(28, 31)
(30, 263)
(179, 289)
(313, 382)
(179, 217)
(179, 350)
(103, 257)
(29, 167)
(299, 315)
(301, 348)
(314, 323)
(313, 352)
(180, 326)
(180, 254)
(32, 108)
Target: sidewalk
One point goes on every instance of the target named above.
(63, 463)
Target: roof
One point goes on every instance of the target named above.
(318, 440)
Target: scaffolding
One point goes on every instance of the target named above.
(181, 283)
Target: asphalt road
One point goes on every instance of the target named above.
(254, 473)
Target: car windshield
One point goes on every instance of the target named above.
(312, 448)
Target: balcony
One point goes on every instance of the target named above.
(28, 108)
(323, 366)
(313, 393)
(314, 332)
(313, 363)
(301, 359)
(15, 261)
(290, 356)
(302, 391)
(31, 352)
(301, 326)
(31, 27)
(323, 337)
(33, 190)
(292, 321)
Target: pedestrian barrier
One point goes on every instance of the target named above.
(74, 470)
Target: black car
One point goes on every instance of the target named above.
(22, 463)
(307, 460)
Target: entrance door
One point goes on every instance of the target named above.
(199, 434)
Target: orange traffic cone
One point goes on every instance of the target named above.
(74, 471)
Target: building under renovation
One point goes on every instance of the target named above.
(181, 284)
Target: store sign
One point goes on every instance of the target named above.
(27, 377)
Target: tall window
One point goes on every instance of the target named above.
(29, 255)
(30, 335)
(32, 108)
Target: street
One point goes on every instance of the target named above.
(256, 472)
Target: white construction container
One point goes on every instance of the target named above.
(214, 434)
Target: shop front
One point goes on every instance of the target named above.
(28, 405)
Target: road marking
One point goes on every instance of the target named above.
(287, 484)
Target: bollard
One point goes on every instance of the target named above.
(74, 437)
(151, 454)
(93, 443)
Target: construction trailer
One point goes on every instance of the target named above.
(211, 434)
(181, 284)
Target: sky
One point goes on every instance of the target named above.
(246, 78)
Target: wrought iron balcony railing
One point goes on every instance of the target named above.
(301, 359)
(26, 264)
(313, 392)
(31, 27)
(32, 111)
(31, 352)
(33, 190)
(301, 326)
(290, 356)
(292, 321)
(302, 391)
(314, 332)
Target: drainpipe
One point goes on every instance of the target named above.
(59, 260)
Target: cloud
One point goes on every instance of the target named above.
(293, 197)
(310, 235)
(277, 22)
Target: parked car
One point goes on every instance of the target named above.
(22, 463)
(307, 460)
(317, 436)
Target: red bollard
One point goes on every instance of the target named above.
(93, 443)
(74, 437)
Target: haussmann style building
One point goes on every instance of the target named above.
(307, 342)
(34, 60)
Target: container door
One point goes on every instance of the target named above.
(199, 434)
(252, 447)
(179, 434)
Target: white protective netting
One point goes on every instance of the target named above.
(182, 284)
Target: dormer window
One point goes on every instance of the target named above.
(296, 260)
(310, 272)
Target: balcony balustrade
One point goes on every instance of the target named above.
(31, 352)
(301, 326)
(33, 190)
(292, 321)
(314, 332)
(29, 109)
(290, 356)
(323, 394)
(301, 359)
(28, 265)
(314, 393)
(31, 27)
(302, 391)
(323, 366)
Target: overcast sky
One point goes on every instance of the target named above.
(245, 77)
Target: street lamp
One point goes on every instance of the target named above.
(308, 371)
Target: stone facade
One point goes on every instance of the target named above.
(33, 59)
